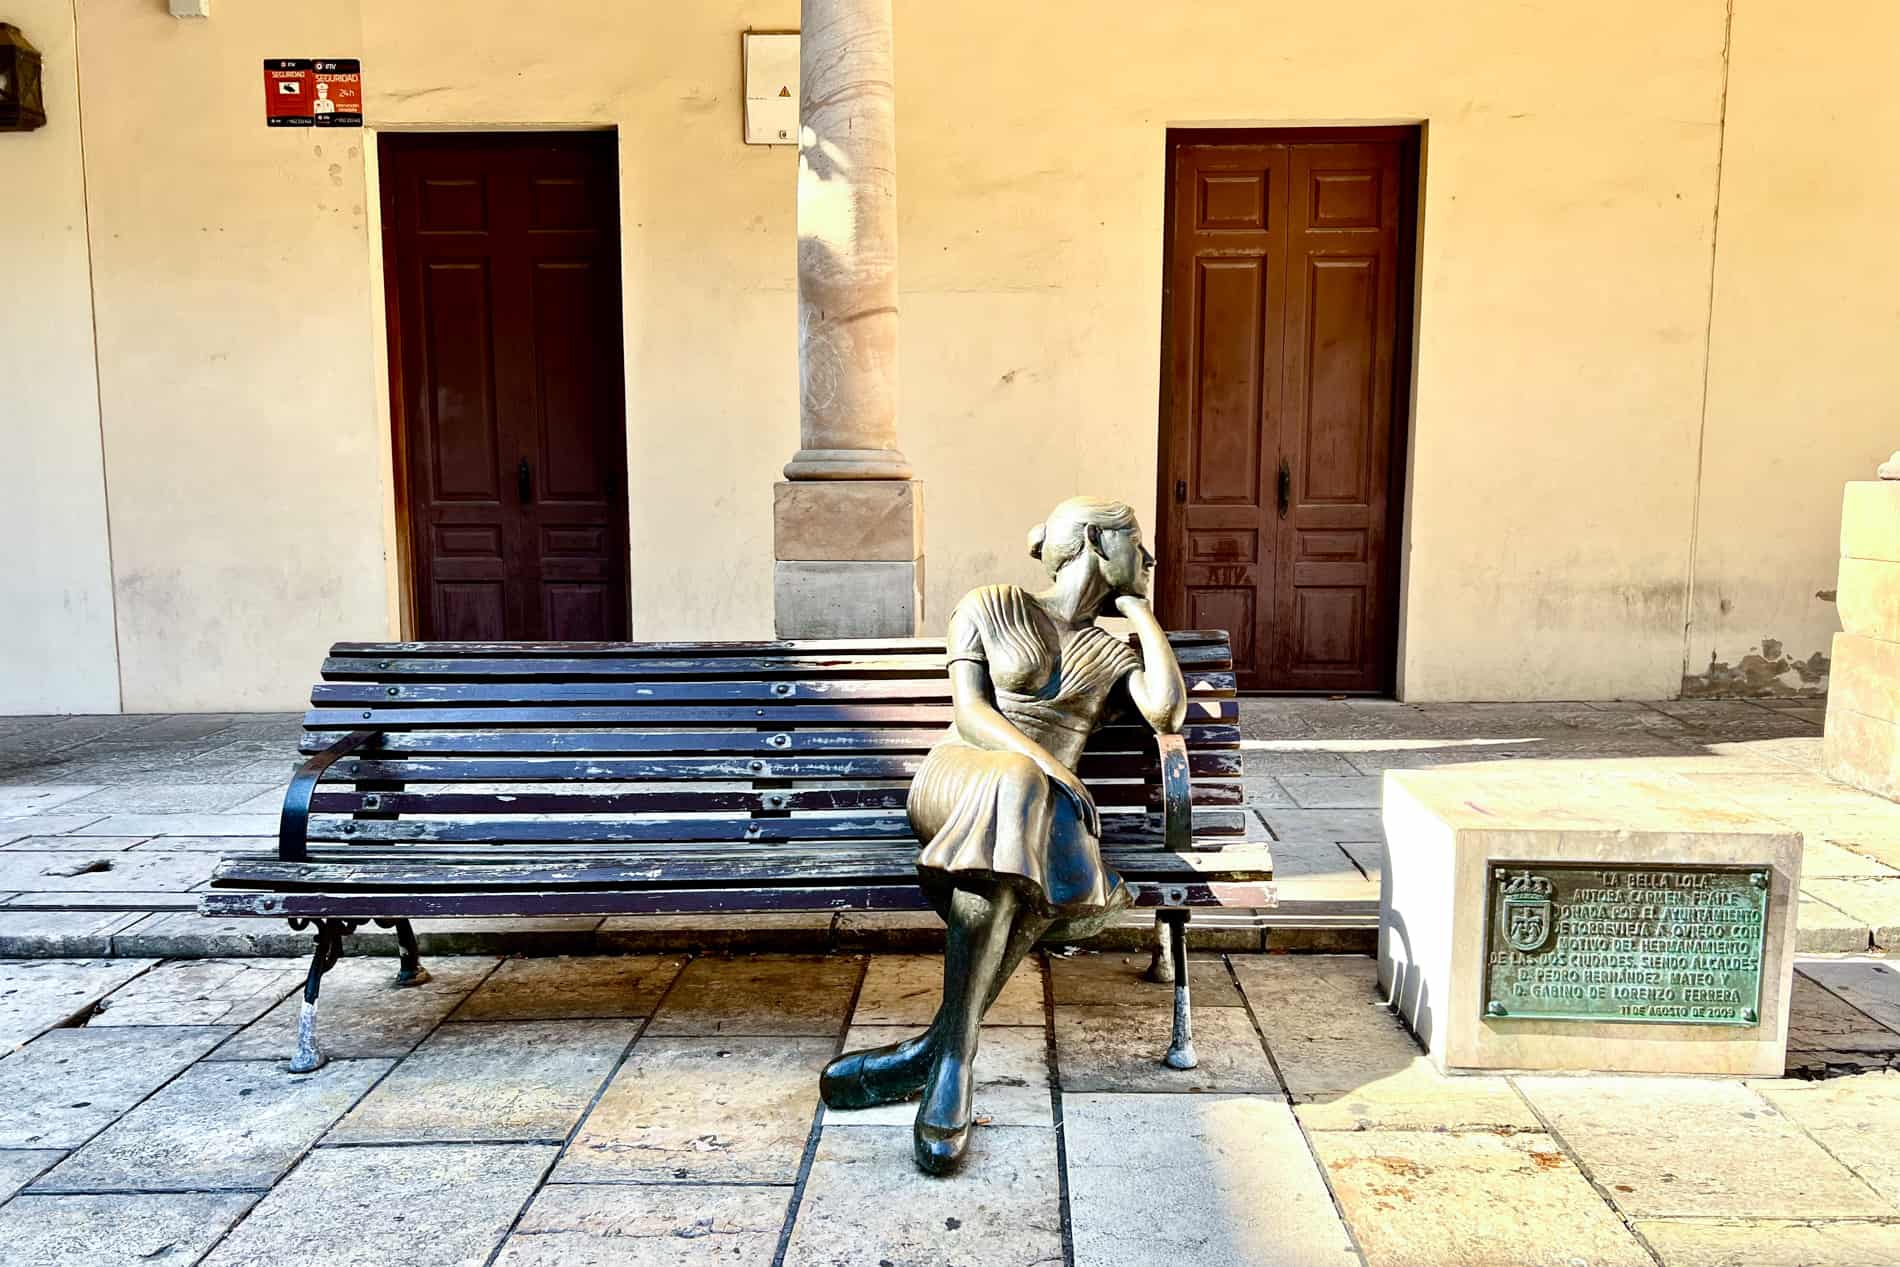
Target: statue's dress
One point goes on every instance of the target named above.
(995, 815)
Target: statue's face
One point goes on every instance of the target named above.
(1127, 562)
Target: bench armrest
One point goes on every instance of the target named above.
(294, 827)
(1177, 793)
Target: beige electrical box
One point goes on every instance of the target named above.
(771, 87)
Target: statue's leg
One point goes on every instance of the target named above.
(980, 931)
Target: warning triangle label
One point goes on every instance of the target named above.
(785, 92)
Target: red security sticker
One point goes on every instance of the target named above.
(338, 93)
(289, 89)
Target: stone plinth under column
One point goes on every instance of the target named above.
(849, 558)
(1610, 972)
(1862, 745)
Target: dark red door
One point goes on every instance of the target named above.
(1283, 338)
(502, 254)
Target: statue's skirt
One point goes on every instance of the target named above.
(995, 817)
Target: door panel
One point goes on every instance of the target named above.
(504, 308)
(1282, 329)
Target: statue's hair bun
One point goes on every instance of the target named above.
(1036, 536)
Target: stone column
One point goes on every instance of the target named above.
(848, 520)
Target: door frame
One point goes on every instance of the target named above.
(1411, 139)
(385, 286)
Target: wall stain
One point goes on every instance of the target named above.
(1766, 671)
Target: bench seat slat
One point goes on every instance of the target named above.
(822, 825)
(384, 717)
(686, 798)
(846, 647)
(773, 744)
(443, 904)
(788, 691)
(684, 871)
(484, 769)
(509, 666)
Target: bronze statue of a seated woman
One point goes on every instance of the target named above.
(1011, 839)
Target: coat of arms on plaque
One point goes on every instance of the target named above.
(1528, 913)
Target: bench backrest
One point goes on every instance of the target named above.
(615, 746)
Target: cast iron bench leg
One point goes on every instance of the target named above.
(409, 971)
(1181, 1046)
(330, 932)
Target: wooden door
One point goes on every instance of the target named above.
(503, 263)
(1284, 346)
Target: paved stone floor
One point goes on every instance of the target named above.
(663, 1109)
(108, 824)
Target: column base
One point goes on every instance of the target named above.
(848, 464)
(848, 599)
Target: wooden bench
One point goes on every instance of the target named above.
(541, 779)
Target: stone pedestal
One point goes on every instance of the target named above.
(1862, 747)
(1647, 936)
(849, 558)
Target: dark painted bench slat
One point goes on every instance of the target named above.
(606, 769)
(822, 825)
(1211, 657)
(1205, 685)
(776, 897)
(688, 799)
(686, 871)
(384, 716)
(847, 647)
(556, 743)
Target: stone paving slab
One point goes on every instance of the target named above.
(67, 1085)
(186, 933)
(1819, 1020)
(865, 1202)
(905, 990)
(441, 1205)
(38, 994)
(1118, 1047)
(65, 935)
(1771, 1243)
(19, 1167)
(202, 844)
(54, 824)
(1873, 903)
(702, 1109)
(1323, 826)
(1856, 1119)
(171, 798)
(566, 988)
(32, 798)
(1319, 791)
(1868, 984)
(218, 1125)
(775, 933)
(1012, 1078)
(361, 1012)
(1328, 1027)
(201, 992)
(761, 994)
(77, 871)
(1472, 1200)
(1417, 1097)
(1211, 1181)
(122, 1230)
(182, 825)
(1820, 929)
(623, 1225)
(913, 932)
(491, 1080)
(86, 844)
(1091, 978)
(1717, 1150)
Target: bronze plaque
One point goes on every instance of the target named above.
(1666, 944)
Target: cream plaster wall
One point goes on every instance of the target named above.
(1804, 379)
(56, 636)
(232, 282)
(1568, 209)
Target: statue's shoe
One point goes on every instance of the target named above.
(880, 1075)
(942, 1134)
